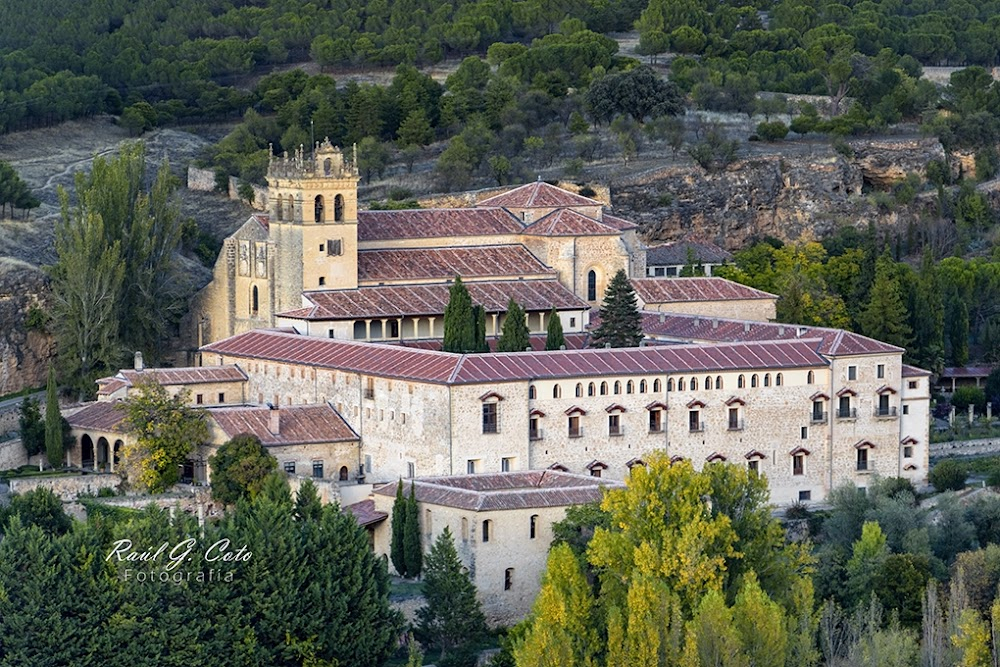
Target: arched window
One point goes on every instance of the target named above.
(280, 208)
(656, 386)
(343, 473)
(630, 387)
(680, 385)
(254, 301)
(557, 392)
(579, 389)
(767, 379)
(604, 389)
(754, 380)
(708, 382)
(338, 208)
(465, 529)
(592, 285)
(718, 382)
(486, 530)
(618, 387)
(531, 392)
(591, 389)
(741, 382)
(670, 384)
(694, 384)
(327, 167)
(777, 380)
(318, 208)
(810, 378)
(508, 579)
(642, 386)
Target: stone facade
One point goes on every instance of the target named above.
(762, 310)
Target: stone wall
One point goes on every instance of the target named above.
(25, 353)
(759, 310)
(14, 455)
(954, 448)
(203, 180)
(69, 487)
(260, 196)
(200, 179)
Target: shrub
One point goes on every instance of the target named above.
(948, 476)
(843, 148)
(773, 131)
(966, 396)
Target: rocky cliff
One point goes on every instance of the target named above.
(25, 347)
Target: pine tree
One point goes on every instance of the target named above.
(397, 550)
(53, 423)
(554, 338)
(459, 327)
(514, 335)
(453, 616)
(621, 323)
(884, 317)
(412, 550)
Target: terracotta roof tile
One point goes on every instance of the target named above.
(676, 252)
(110, 385)
(435, 223)
(574, 341)
(99, 416)
(297, 424)
(567, 222)
(538, 195)
(618, 223)
(365, 513)
(913, 372)
(180, 376)
(406, 300)
(506, 491)
(672, 290)
(500, 261)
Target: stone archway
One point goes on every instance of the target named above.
(103, 453)
(116, 456)
(86, 451)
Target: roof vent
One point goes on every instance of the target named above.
(663, 318)
(607, 346)
(562, 347)
(697, 321)
(274, 423)
(137, 362)
(800, 332)
(781, 331)
(715, 323)
(746, 327)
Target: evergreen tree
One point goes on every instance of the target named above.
(884, 317)
(621, 323)
(554, 338)
(514, 336)
(239, 468)
(453, 616)
(927, 317)
(307, 503)
(479, 317)
(412, 550)
(397, 548)
(459, 327)
(32, 428)
(54, 437)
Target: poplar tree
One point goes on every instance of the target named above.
(514, 336)
(412, 551)
(397, 548)
(761, 625)
(554, 338)
(459, 326)
(884, 317)
(453, 616)
(53, 423)
(621, 323)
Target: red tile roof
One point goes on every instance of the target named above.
(181, 376)
(435, 223)
(574, 341)
(617, 223)
(110, 385)
(538, 195)
(365, 513)
(99, 416)
(499, 261)
(914, 372)
(567, 222)
(689, 328)
(444, 368)
(405, 300)
(671, 290)
(297, 424)
(505, 491)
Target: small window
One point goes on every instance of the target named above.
(614, 425)
(222, 397)
(604, 389)
(411, 469)
(680, 385)
(777, 380)
(506, 464)
(753, 465)
(767, 379)
(557, 392)
(470, 467)
(533, 527)
(199, 399)
(322, 247)
(579, 389)
(694, 384)
(708, 382)
(486, 530)
(334, 248)
(734, 419)
(289, 467)
(798, 464)
(322, 281)
(656, 386)
(670, 384)
(465, 529)
(591, 389)
(810, 377)
(629, 387)
(642, 386)
(343, 475)
(863, 459)
(508, 578)
(754, 381)
(595, 472)
(490, 424)
(906, 409)
(618, 387)
(804, 432)
(908, 452)
(805, 495)
(531, 393)
(591, 286)
(741, 382)
(318, 469)
(852, 372)
(572, 323)
(880, 371)
(694, 420)
(575, 430)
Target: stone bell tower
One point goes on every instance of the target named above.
(313, 222)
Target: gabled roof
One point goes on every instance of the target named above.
(365, 514)
(618, 223)
(100, 416)
(499, 261)
(671, 290)
(435, 223)
(913, 372)
(297, 424)
(505, 491)
(675, 253)
(567, 222)
(169, 377)
(538, 195)
(391, 301)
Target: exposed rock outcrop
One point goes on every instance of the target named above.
(25, 351)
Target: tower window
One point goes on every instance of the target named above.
(334, 247)
(322, 281)
(592, 285)
(318, 206)
(254, 301)
(338, 208)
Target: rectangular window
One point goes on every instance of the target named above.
(817, 413)
(912, 384)
(334, 247)
(222, 397)
(508, 579)
(534, 433)
(490, 418)
(370, 388)
(863, 459)
(322, 281)
(199, 399)
(798, 464)
(753, 465)
(694, 420)
(329, 332)
(734, 419)
(672, 271)
(883, 405)
(322, 247)
(908, 452)
(659, 271)
(852, 372)
(805, 495)
(804, 432)
(880, 371)
(572, 323)
(906, 409)
(614, 425)
(575, 430)
(470, 467)
(506, 464)
(844, 409)
(290, 467)
(318, 469)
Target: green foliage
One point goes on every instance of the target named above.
(621, 323)
(14, 192)
(772, 131)
(514, 336)
(947, 475)
(966, 396)
(459, 326)
(413, 553)
(39, 507)
(638, 93)
(31, 426)
(164, 430)
(397, 547)
(55, 440)
(239, 469)
(452, 616)
(714, 153)
(554, 338)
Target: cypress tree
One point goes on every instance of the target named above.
(621, 323)
(53, 423)
(459, 327)
(307, 504)
(884, 317)
(479, 318)
(412, 552)
(554, 338)
(514, 333)
(396, 547)
(453, 616)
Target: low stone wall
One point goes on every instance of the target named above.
(981, 447)
(259, 202)
(68, 487)
(14, 455)
(200, 179)
(203, 180)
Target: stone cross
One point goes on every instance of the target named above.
(971, 413)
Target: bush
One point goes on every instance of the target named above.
(773, 131)
(948, 476)
(843, 148)
(966, 396)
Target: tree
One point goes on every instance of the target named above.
(373, 158)
(500, 168)
(554, 339)
(948, 475)
(514, 336)
(14, 191)
(397, 547)
(479, 317)
(239, 468)
(621, 323)
(884, 317)
(714, 153)
(761, 625)
(713, 638)
(32, 428)
(459, 327)
(973, 640)
(413, 553)
(866, 563)
(38, 507)
(54, 432)
(772, 131)
(452, 616)
(163, 430)
(415, 130)
(830, 51)
(639, 93)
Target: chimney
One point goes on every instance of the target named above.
(663, 318)
(697, 321)
(607, 346)
(562, 347)
(781, 331)
(137, 362)
(274, 424)
(715, 323)
(746, 327)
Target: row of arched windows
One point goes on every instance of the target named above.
(682, 384)
(286, 206)
(593, 389)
